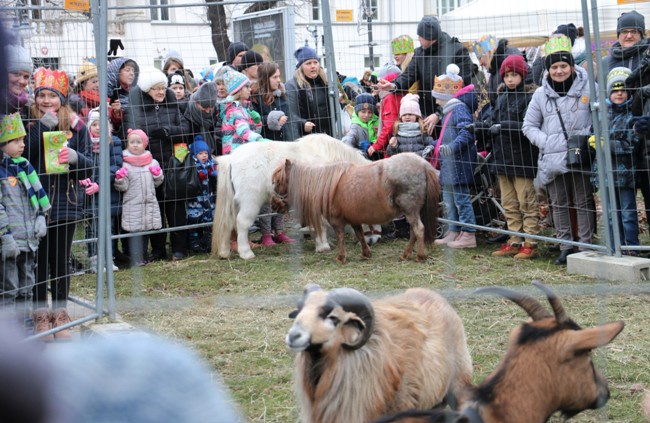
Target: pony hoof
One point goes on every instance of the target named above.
(324, 249)
(247, 255)
(404, 257)
(224, 256)
(341, 260)
(420, 259)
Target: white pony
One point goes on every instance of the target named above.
(244, 184)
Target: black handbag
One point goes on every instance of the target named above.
(181, 179)
(579, 154)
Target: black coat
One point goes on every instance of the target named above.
(162, 122)
(309, 104)
(432, 62)
(514, 155)
(279, 103)
(502, 51)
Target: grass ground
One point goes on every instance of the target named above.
(234, 312)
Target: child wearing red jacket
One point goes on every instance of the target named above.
(389, 112)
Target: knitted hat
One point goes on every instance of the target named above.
(199, 146)
(365, 101)
(410, 105)
(234, 49)
(150, 76)
(389, 72)
(206, 95)
(429, 28)
(234, 81)
(18, 59)
(569, 30)
(558, 49)
(177, 77)
(402, 45)
(616, 79)
(141, 134)
(514, 63)
(631, 20)
(86, 71)
(53, 80)
(11, 128)
(485, 44)
(134, 377)
(93, 116)
(448, 84)
(305, 53)
(251, 58)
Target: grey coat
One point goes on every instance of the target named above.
(542, 124)
(140, 209)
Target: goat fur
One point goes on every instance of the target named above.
(416, 354)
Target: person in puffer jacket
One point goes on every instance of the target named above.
(624, 143)
(410, 134)
(365, 122)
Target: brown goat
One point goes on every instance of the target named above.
(547, 368)
(358, 360)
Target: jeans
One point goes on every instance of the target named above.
(628, 221)
(459, 207)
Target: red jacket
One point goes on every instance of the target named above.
(389, 114)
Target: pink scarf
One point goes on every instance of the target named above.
(141, 160)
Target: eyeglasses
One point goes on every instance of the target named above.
(158, 89)
(627, 32)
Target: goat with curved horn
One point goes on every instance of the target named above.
(558, 309)
(534, 309)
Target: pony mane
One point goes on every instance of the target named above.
(332, 148)
(311, 189)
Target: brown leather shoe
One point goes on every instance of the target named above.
(42, 318)
(61, 317)
(527, 251)
(507, 250)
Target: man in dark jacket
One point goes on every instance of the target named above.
(631, 44)
(437, 50)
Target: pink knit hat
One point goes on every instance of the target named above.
(141, 134)
(410, 105)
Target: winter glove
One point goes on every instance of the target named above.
(364, 145)
(76, 122)
(50, 120)
(9, 247)
(160, 134)
(155, 170)
(67, 155)
(121, 173)
(642, 126)
(92, 189)
(446, 151)
(495, 129)
(256, 117)
(428, 150)
(273, 120)
(40, 227)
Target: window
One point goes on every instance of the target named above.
(315, 10)
(375, 62)
(46, 62)
(159, 13)
(370, 7)
(25, 15)
(446, 6)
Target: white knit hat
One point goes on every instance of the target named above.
(18, 59)
(93, 116)
(410, 105)
(150, 76)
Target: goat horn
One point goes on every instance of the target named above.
(309, 288)
(354, 301)
(558, 309)
(528, 303)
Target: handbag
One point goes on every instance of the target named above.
(181, 179)
(579, 154)
(435, 159)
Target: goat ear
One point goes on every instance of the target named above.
(352, 330)
(588, 339)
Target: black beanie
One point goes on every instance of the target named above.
(234, 49)
(429, 28)
(251, 58)
(559, 56)
(631, 20)
(569, 30)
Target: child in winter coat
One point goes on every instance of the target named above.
(92, 186)
(238, 126)
(457, 154)
(201, 208)
(623, 142)
(363, 131)
(23, 204)
(389, 111)
(410, 133)
(138, 179)
(516, 160)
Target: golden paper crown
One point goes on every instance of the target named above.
(446, 88)
(54, 80)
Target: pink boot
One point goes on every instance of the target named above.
(267, 241)
(464, 240)
(282, 238)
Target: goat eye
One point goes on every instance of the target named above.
(335, 320)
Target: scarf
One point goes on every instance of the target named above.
(91, 98)
(562, 88)
(17, 102)
(409, 129)
(141, 160)
(198, 117)
(205, 170)
(29, 178)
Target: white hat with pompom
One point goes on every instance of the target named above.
(448, 84)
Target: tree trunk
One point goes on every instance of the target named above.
(219, 23)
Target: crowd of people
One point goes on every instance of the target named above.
(433, 101)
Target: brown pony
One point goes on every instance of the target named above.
(374, 193)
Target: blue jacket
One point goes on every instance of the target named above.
(115, 162)
(459, 168)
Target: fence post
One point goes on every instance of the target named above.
(333, 85)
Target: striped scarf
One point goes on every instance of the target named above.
(29, 178)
